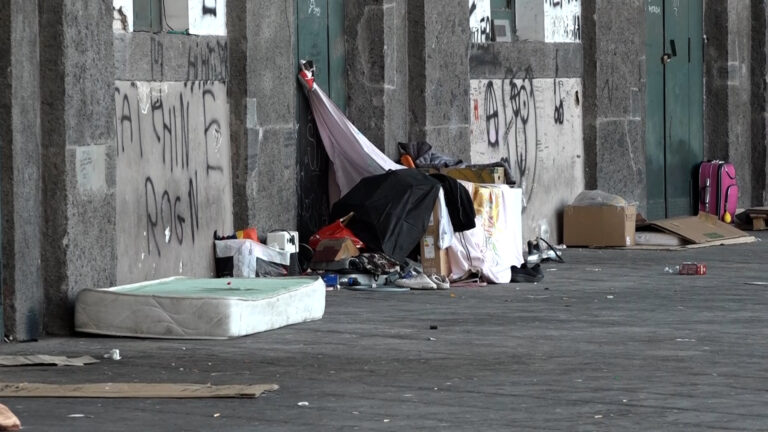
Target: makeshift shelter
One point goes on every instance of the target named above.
(353, 157)
(392, 210)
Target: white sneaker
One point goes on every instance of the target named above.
(441, 282)
(417, 282)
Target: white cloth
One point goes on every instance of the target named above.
(244, 253)
(496, 243)
(353, 156)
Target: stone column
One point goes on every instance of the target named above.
(78, 154)
(20, 169)
(271, 115)
(438, 74)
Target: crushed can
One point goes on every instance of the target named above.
(693, 269)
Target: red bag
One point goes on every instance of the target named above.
(336, 230)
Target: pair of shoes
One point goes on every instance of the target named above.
(441, 282)
(417, 282)
(527, 274)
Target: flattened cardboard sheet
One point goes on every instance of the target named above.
(133, 390)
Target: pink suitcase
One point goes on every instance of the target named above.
(718, 190)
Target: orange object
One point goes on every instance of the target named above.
(248, 233)
(407, 161)
(336, 230)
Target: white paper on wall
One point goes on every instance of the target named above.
(122, 15)
(208, 17)
(480, 20)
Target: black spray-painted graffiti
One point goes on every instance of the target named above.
(157, 60)
(491, 115)
(559, 115)
(519, 123)
(156, 123)
(481, 32)
(313, 169)
(170, 213)
(557, 88)
(208, 61)
(208, 9)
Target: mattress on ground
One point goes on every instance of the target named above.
(186, 308)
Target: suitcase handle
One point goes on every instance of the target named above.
(705, 191)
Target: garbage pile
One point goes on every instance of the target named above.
(426, 224)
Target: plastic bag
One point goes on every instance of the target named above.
(336, 230)
(599, 198)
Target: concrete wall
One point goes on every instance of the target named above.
(759, 101)
(78, 153)
(526, 105)
(20, 190)
(618, 90)
(173, 177)
(734, 92)
(446, 76)
(739, 97)
(271, 115)
(537, 125)
(377, 67)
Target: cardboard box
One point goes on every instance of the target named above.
(330, 250)
(493, 175)
(701, 229)
(599, 225)
(433, 259)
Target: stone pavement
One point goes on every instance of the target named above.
(607, 341)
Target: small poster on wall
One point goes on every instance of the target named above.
(480, 20)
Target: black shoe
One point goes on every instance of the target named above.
(527, 274)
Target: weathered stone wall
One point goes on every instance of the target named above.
(20, 191)
(526, 105)
(271, 115)
(78, 153)
(377, 47)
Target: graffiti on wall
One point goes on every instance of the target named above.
(480, 20)
(208, 17)
(562, 20)
(509, 117)
(173, 175)
(518, 118)
(535, 123)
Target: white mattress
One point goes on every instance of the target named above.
(185, 308)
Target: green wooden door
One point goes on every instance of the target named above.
(674, 104)
(320, 30)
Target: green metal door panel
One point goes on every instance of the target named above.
(313, 36)
(312, 160)
(674, 109)
(696, 80)
(146, 16)
(337, 55)
(320, 30)
(677, 116)
(654, 126)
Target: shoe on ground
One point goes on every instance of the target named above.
(417, 282)
(441, 282)
(525, 274)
